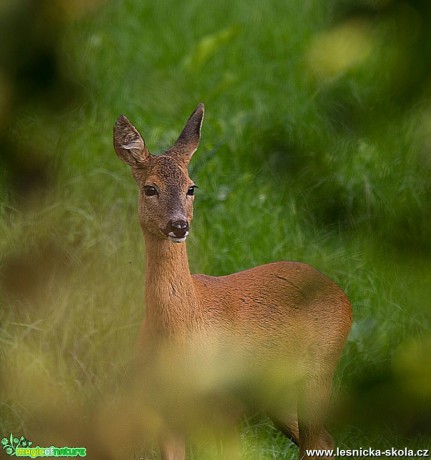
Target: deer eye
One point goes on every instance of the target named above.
(191, 190)
(150, 190)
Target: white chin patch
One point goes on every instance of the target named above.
(174, 239)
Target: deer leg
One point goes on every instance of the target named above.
(288, 425)
(172, 447)
(228, 443)
(313, 404)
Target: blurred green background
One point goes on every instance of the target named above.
(316, 147)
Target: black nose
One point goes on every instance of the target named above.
(177, 228)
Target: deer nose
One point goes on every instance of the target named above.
(177, 229)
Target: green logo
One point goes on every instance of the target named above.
(21, 447)
(11, 444)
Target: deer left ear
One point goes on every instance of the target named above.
(188, 141)
(128, 143)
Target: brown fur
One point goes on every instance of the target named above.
(268, 338)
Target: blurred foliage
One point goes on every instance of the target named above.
(376, 103)
(36, 89)
(316, 146)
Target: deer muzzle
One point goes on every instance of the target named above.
(177, 230)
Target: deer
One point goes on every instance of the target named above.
(266, 338)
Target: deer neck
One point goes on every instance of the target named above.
(171, 305)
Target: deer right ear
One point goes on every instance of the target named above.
(128, 143)
(186, 145)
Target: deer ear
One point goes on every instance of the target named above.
(128, 143)
(188, 141)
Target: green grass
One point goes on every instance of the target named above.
(297, 161)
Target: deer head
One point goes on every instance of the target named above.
(166, 191)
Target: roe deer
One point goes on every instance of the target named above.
(267, 338)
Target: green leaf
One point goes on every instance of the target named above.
(208, 46)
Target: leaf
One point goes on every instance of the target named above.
(208, 46)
